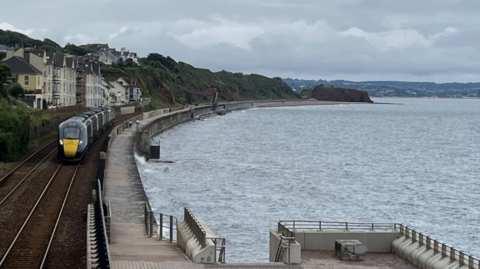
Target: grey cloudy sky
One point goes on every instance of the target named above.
(408, 40)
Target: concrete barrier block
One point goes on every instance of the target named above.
(190, 245)
(325, 240)
(381, 241)
(292, 255)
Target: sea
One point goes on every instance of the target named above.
(406, 160)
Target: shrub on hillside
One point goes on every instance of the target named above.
(14, 132)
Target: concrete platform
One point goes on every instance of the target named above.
(327, 259)
(124, 190)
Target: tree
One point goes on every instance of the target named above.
(16, 90)
(120, 62)
(5, 73)
(75, 50)
(130, 63)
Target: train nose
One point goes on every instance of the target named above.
(70, 147)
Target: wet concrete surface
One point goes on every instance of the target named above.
(124, 190)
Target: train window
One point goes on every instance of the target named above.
(71, 133)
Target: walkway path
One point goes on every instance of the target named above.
(129, 247)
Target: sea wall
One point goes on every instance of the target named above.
(155, 122)
(161, 120)
(427, 253)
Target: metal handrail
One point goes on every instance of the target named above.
(104, 254)
(446, 251)
(221, 248)
(281, 248)
(108, 221)
(150, 221)
(147, 221)
(173, 224)
(289, 226)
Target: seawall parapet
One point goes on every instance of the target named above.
(425, 252)
(161, 120)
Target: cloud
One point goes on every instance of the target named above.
(80, 39)
(223, 31)
(432, 40)
(126, 31)
(398, 38)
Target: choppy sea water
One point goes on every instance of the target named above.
(416, 162)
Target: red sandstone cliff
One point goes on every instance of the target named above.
(340, 95)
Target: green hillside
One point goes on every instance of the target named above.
(13, 39)
(169, 82)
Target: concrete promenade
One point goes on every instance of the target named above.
(129, 247)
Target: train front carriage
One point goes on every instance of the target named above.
(72, 141)
(78, 133)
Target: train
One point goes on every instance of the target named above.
(78, 133)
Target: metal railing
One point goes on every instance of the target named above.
(165, 221)
(171, 225)
(288, 227)
(220, 248)
(438, 247)
(281, 248)
(102, 239)
(108, 221)
(195, 227)
(148, 220)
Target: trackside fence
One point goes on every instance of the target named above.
(99, 222)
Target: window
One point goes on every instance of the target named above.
(26, 80)
(71, 133)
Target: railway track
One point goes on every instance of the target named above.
(21, 189)
(119, 119)
(30, 246)
(31, 160)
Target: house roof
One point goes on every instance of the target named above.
(108, 84)
(38, 52)
(50, 57)
(20, 66)
(69, 61)
(89, 68)
(4, 47)
(96, 69)
(86, 68)
(59, 59)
